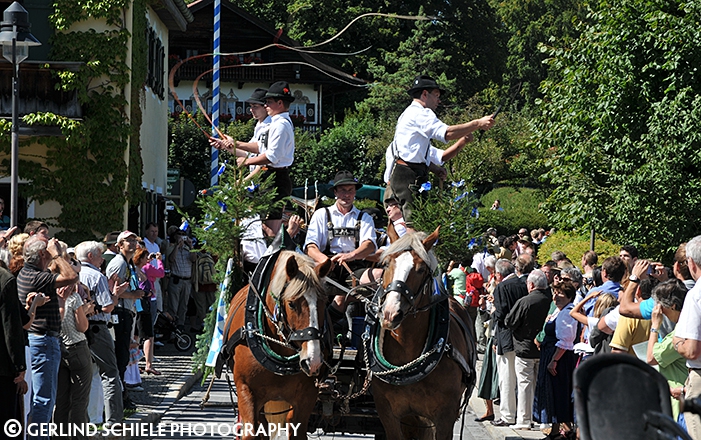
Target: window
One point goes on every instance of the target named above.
(156, 63)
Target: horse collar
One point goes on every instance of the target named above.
(433, 351)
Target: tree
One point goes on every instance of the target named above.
(622, 114)
(527, 25)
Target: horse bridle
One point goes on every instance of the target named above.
(405, 292)
(281, 325)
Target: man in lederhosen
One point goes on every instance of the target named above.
(342, 233)
(416, 126)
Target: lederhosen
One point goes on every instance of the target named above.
(339, 273)
(404, 182)
(281, 181)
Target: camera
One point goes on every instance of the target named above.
(151, 256)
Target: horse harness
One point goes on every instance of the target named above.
(437, 342)
(253, 334)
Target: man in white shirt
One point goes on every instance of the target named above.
(341, 233)
(278, 152)
(416, 126)
(687, 334)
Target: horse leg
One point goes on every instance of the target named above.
(249, 408)
(390, 421)
(445, 422)
(298, 419)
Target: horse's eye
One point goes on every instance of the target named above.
(292, 306)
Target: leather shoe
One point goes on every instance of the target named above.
(488, 418)
(501, 422)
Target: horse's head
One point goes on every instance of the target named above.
(409, 265)
(300, 298)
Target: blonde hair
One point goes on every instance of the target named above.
(604, 301)
(16, 244)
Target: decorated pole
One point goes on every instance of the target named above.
(216, 50)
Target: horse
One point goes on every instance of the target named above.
(425, 398)
(292, 311)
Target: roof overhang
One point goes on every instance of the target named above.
(174, 13)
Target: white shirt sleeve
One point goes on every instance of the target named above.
(435, 155)
(281, 142)
(317, 232)
(367, 230)
(565, 329)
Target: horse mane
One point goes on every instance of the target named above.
(408, 242)
(306, 279)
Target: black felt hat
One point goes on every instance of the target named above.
(257, 97)
(345, 178)
(422, 82)
(280, 90)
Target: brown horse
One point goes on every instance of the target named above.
(429, 403)
(294, 303)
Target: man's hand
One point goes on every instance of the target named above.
(640, 269)
(343, 258)
(37, 297)
(65, 291)
(657, 316)
(227, 143)
(485, 122)
(54, 247)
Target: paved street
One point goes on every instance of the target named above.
(218, 411)
(172, 401)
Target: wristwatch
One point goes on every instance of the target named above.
(634, 279)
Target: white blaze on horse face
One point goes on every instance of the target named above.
(403, 265)
(311, 350)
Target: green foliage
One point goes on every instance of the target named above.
(453, 209)
(622, 113)
(574, 246)
(139, 62)
(344, 147)
(527, 25)
(220, 230)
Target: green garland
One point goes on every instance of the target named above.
(138, 80)
(85, 170)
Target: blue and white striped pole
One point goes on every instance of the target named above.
(216, 50)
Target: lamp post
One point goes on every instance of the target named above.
(15, 37)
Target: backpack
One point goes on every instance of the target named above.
(205, 269)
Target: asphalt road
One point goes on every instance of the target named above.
(187, 419)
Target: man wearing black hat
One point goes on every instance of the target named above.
(277, 152)
(341, 232)
(259, 141)
(412, 140)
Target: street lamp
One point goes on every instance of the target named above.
(15, 37)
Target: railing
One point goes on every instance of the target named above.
(37, 89)
(226, 73)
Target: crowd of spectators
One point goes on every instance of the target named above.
(536, 323)
(75, 315)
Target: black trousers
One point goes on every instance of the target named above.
(122, 339)
(404, 184)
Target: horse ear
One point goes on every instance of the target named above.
(431, 239)
(323, 269)
(291, 267)
(392, 233)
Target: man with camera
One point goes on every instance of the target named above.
(180, 261)
(122, 269)
(89, 253)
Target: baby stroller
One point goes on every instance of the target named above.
(617, 396)
(166, 326)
